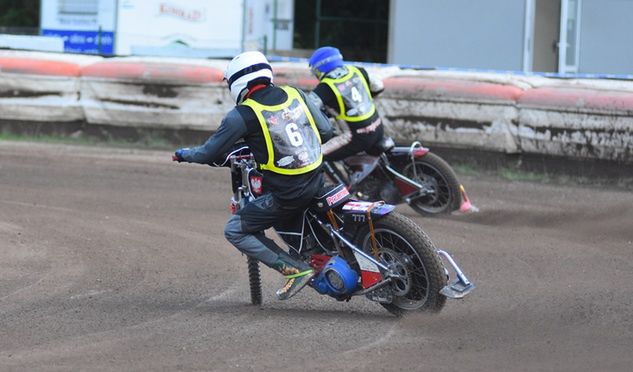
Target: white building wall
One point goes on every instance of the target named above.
(259, 30)
(485, 34)
(606, 33)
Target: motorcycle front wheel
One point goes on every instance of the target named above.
(406, 249)
(440, 179)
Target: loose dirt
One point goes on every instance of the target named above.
(115, 259)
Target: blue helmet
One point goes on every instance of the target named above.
(324, 60)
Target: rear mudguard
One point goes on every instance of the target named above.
(400, 156)
(355, 214)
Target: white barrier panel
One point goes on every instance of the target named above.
(157, 94)
(40, 87)
(499, 112)
(504, 113)
(454, 113)
(581, 123)
(449, 111)
(290, 74)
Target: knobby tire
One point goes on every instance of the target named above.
(426, 252)
(254, 280)
(447, 183)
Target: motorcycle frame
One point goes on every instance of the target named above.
(243, 194)
(413, 152)
(420, 191)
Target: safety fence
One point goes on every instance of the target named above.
(579, 118)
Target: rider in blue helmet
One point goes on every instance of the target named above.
(346, 93)
(324, 60)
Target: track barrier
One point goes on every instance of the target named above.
(507, 113)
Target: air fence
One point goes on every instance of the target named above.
(505, 113)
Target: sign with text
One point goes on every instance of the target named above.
(197, 24)
(86, 26)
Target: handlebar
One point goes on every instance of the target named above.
(239, 152)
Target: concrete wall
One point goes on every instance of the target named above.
(586, 119)
(153, 93)
(41, 87)
(458, 33)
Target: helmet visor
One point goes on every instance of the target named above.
(247, 70)
(315, 71)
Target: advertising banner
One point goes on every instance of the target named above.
(86, 26)
(145, 26)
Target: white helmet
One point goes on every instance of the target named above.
(245, 68)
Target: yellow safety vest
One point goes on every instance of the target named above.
(353, 96)
(292, 138)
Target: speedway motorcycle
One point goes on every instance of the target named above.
(398, 174)
(357, 248)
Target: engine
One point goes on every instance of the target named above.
(336, 279)
(369, 188)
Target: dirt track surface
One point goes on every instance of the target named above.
(115, 259)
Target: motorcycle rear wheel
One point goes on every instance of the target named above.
(435, 173)
(403, 245)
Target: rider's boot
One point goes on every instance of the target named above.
(298, 275)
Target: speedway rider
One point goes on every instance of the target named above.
(346, 92)
(284, 131)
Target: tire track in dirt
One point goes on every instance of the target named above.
(139, 276)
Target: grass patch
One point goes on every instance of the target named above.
(466, 169)
(49, 139)
(514, 174)
(522, 169)
(149, 142)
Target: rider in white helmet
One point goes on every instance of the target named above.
(278, 118)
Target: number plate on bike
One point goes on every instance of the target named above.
(362, 206)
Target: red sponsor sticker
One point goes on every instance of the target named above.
(333, 199)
